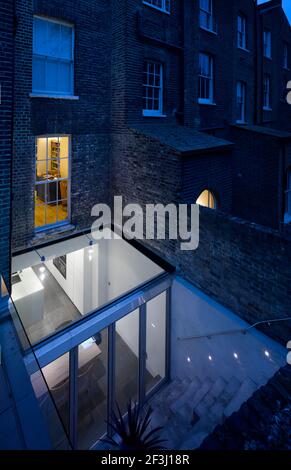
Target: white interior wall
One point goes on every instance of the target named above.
(156, 335)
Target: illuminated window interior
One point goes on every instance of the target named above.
(207, 199)
(52, 183)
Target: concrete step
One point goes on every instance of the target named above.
(190, 391)
(245, 391)
(201, 392)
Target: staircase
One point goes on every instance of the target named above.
(189, 410)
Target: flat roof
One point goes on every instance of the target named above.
(265, 131)
(55, 285)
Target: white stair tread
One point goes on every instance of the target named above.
(245, 391)
(190, 391)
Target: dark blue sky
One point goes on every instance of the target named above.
(286, 5)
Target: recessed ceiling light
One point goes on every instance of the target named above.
(210, 358)
(188, 359)
(267, 354)
(42, 269)
(235, 355)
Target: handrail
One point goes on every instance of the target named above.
(229, 332)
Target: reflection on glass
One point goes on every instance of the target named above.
(92, 389)
(127, 359)
(155, 341)
(56, 375)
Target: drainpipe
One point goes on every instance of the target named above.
(256, 59)
(14, 26)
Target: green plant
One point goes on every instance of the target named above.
(131, 432)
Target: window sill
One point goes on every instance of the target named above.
(162, 10)
(241, 123)
(211, 31)
(287, 219)
(54, 97)
(206, 103)
(265, 108)
(268, 58)
(243, 49)
(154, 115)
(57, 228)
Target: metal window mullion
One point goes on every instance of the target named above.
(142, 353)
(111, 367)
(73, 399)
(168, 333)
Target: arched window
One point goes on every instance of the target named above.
(207, 199)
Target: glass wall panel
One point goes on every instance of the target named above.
(127, 359)
(92, 389)
(56, 375)
(156, 341)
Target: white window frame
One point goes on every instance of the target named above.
(286, 56)
(166, 5)
(208, 14)
(45, 92)
(241, 92)
(267, 43)
(201, 77)
(155, 112)
(267, 92)
(287, 216)
(242, 33)
(67, 221)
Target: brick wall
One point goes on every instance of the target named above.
(257, 181)
(230, 63)
(244, 267)
(6, 79)
(86, 120)
(275, 20)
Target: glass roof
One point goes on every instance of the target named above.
(58, 284)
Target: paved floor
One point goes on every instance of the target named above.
(58, 309)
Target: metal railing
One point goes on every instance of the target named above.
(234, 331)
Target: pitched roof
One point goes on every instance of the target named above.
(182, 139)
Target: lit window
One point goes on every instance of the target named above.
(206, 15)
(286, 56)
(267, 91)
(241, 32)
(267, 44)
(152, 89)
(163, 5)
(206, 82)
(207, 199)
(53, 57)
(287, 217)
(52, 181)
(241, 102)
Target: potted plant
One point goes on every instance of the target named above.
(132, 432)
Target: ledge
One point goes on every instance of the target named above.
(243, 49)
(211, 31)
(204, 103)
(54, 97)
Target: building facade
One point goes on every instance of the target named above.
(6, 115)
(88, 129)
(157, 101)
